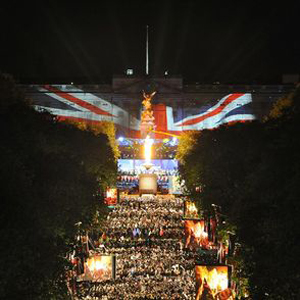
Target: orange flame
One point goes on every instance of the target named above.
(216, 277)
(147, 148)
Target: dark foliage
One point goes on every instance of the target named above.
(50, 175)
(253, 172)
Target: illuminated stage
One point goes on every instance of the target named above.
(149, 174)
(166, 171)
(135, 166)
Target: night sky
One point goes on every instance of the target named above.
(204, 41)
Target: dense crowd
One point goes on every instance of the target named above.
(146, 236)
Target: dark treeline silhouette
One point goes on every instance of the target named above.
(52, 176)
(252, 171)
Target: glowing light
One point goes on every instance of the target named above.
(147, 149)
(192, 209)
(215, 276)
(97, 263)
(198, 230)
(218, 281)
(121, 139)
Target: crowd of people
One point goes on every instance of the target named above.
(145, 219)
(146, 234)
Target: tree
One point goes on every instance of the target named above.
(49, 174)
(105, 127)
(252, 171)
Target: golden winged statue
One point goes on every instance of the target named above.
(147, 113)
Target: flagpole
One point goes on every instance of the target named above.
(147, 51)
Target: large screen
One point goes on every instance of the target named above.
(100, 268)
(111, 197)
(190, 210)
(135, 166)
(212, 282)
(195, 235)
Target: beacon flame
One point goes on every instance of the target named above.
(148, 148)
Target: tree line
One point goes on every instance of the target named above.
(52, 176)
(252, 171)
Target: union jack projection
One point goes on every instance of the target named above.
(70, 102)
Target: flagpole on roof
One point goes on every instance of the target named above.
(147, 51)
